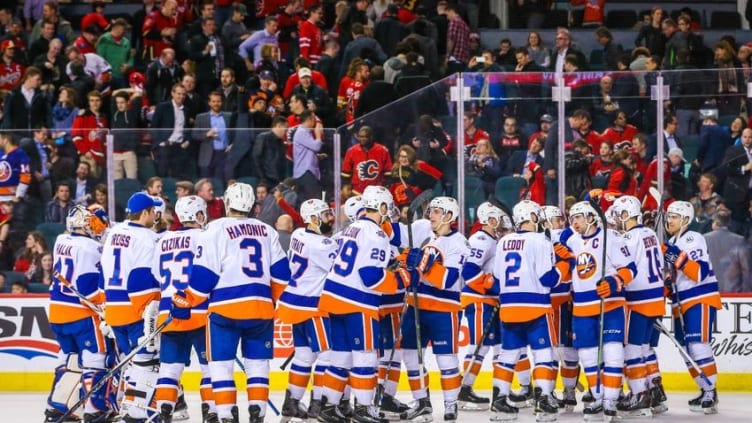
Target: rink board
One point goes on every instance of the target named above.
(28, 351)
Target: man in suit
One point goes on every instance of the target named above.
(736, 189)
(520, 160)
(207, 52)
(83, 185)
(169, 135)
(563, 49)
(729, 255)
(213, 132)
(670, 139)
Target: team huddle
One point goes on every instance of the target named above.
(129, 305)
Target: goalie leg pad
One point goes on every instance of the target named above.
(66, 384)
(93, 371)
(144, 375)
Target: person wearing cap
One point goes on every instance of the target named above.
(115, 48)
(544, 127)
(293, 80)
(250, 49)
(677, 181)
(11, 72)
(127, 255)
(317, 98)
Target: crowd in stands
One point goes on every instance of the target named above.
(201, 93)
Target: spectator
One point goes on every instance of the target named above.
(677, 183)
(208, 56)
(350, 90)
(510, 140)
(230, 91)
(100, 196)
(485, 165)
(421, 43)
(504, 56)
(367, 162)
(52, 65)
(215, 207)
(26, 107)
(39, 164)
(63, 28)
(620, 130)
(354, 13)
(43, 273)
(115, 48)
(563, 49)
(33, 11)
(161, 75)
(193, 103)
(18, 37)
(125, 123)
(603, 164)
(250, 49)
(307, 143)
(611, 50)
(577, 161)
(63, 114)
(58, 208)
(362, 46)
(538, 51)
(714, 141)
(706, 201)
(169, 132)
(410, 177)
(160, 29)
(290, 17)
(269, 153)
(86, 42)
(30, 256)
(738, 167)
(689, 94)
(389, 30)
(294, 79)
(96, 17)
(94, 66)
(377, 94)
(183, 188)
(311, 39)
(234, 33)
(679, 37)
(89, 132)
(473, 134)
(729, 255)
(19, 287)
(268, 210)
(544, 127)
(458, 41)
(154, 187)
(84, 184)
(61, 167)
(639, 148)
(327, 66)
(284, 227)
(735, 129)
(41, 45)
(670, 137)
(214, 132)
(729, 84)
(622, 178)
(317, 99)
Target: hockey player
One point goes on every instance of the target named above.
(561, 302)
(593, 281)
(241, 270)
(479, 308)
(310, 255)
(172, 265)
(697, 298)
(352, 296)
(77, 325)
(129, 287)
(644, 297)
(523, 274)
(436, 310)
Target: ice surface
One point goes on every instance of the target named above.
(733, 407)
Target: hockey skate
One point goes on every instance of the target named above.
(181, 408)
(546, 408)
(366, 414)
(709, 402)
(695, 403)
(494, 397)
(98, 417)
(503, 410)
(314, 408)
(635, 405)
(450, 411)
(422, 411)
(588, 397)
(658, 397)
(206, 415)
(468, 400)
(609, 410)
(292, 409)
(593, 411)
(53, 415)
(235, 416)
(165, 413)
(345, 408)
(330, 413)
(568, 400)
(524, 398)
(254, 413)
(391, 408)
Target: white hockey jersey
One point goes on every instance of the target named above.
(696, 283)
(524, 268)
(242, 269)
(478, 264)
(588, 253)
(310, 256)
(172, 266)
(644, 294)
(129, 285)
(76, 258)
(440, 286)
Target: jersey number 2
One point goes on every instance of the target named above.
(512, 268)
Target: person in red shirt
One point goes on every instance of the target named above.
(11, 72)
(310, 38)
(620, 130)
(650, 179)
(89, 131)
(545, 126)
(159, 29)
(87, 41)
(366, 163)
(96, 17)
(294, 79)
(289, 19)
(639, 150)
(351, 90)
(473, 134)
(622, 177)
(604, 163)
(215, 207)
(593, 13)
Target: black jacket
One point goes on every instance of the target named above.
(18, 114)
(269, 158)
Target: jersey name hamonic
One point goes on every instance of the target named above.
(478, 264)
(645, 293)
(129, 286)
(76, 257)
(310, 256)
(702, 287)
(173, 267)
(242, 269)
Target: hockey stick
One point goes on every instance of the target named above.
(658, 325)
(602, 302)
(106, 378)
(85, 301)
(268, 401)
(288, 360)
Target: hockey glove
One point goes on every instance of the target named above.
(181, 308)
(426, 261)
(106, 330)
(406, 277)
(668, 288)
(607, 286)
(414, 256)
(674, 256)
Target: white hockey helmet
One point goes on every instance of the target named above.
(313, 207)
(353, 206)
(92, 221)
(549, 212)
(524, 210)
(629, 204)
(239, 196)
(374, 196)
(506, 222)
(683, 209)
(487, 211)
(187, 208)
(78, 219)
(160, 205)
(448, 205)
(584, 208)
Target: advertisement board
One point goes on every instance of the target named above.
(29, 353)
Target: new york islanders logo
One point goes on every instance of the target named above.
(368, 170)
(5, 171)
(586, 265)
